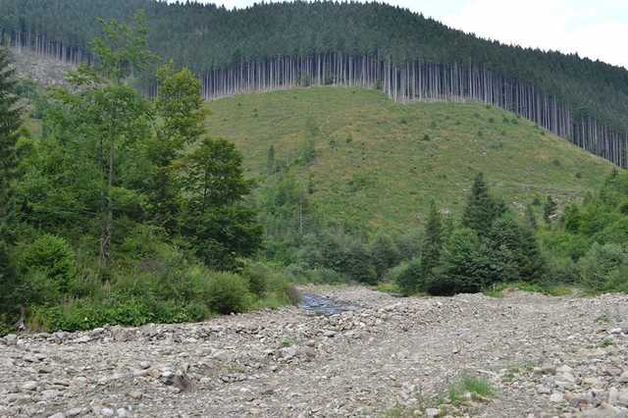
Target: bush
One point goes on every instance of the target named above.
(228, 293)
(468, 266)
(257, 275)
(601, 263)
(53, 256)
(48, 266)
(409, 277)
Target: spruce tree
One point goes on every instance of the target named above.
(9, 124)
(530, 218)
(549, 209)
(432, 241)
(481, 209)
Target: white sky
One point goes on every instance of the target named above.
(597, 29)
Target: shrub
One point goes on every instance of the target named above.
(468, 266)
(601, 263)
(409, 277)
(228, 293)
(257, 275)
(384, 254)
(49, 257)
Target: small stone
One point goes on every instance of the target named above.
(613, 395)
(590, 381)
(122, 413)
(310, 343)
(106, 412)
(329, 334)
(134, 394)
(615, 331)
(145, 365)
(624, 377)
(622, 398)
(10, 339)
(32, 385)
(58, 415)
(74, 412)
(432, 412)
(556, 397)
(82, 340)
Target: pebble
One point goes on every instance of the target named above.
(106, 412)
(31, 385)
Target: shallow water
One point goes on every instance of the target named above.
(322, 305)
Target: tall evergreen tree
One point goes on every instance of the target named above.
(549, 209)
(481, 209)
(9, 124)
(432, 241)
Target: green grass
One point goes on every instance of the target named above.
(380, 163)
(545, 289)
(480, 389)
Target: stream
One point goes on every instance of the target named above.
(321, 305)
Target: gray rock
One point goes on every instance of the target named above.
(74, 412)
(330, 333)
(31, 385)
(123, 413)
(622, 398)
(613, 396)
(557, 397)
(58, 415)
(107, 412)
(135, 394)
(432, 412)
(145, 365)
(624, 377)
(10, 339)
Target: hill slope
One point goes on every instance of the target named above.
(278, 45)
(380, 163)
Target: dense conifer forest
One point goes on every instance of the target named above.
(410, 57)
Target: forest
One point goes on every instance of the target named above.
(410, 57)
(122, 209)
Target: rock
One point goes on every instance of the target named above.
(613, 396)
(557, 397)
(122, 413)
(135, 394)
(10, 339)
(58, 415)
(74, 412)
(107, 412)
(31, 385)
(82, 340)
(330, 333)
(599, 413)
(432, 412)
(145, 365)
(615, 331)
(622, 398)
(624, 377)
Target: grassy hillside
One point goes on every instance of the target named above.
(381, 163)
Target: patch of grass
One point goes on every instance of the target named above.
(607, 342)
(390, 288)
(603, 319)
(557, 290)
(480, 389)
(393, 198)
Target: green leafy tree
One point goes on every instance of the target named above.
(181, 114)
(384, 254)
(214, 216)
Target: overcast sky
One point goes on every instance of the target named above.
(597, 29)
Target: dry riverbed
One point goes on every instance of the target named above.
(544, 356)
